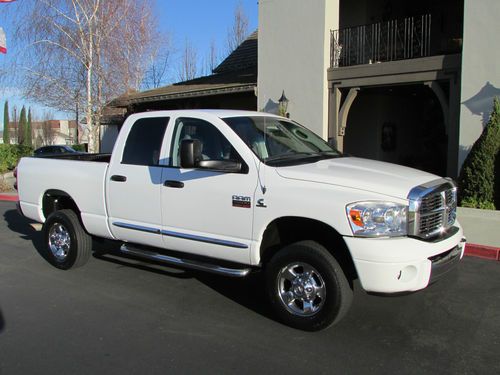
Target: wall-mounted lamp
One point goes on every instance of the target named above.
(283, 105)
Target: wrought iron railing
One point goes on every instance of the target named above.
(399, 39)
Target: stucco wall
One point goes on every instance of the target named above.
(294, 54)
(480, 69)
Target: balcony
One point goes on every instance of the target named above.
(398, 39)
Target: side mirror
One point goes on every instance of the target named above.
(190, 153)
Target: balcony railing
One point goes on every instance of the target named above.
(400, 39)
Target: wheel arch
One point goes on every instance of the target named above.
(55, 200)
(286, 230)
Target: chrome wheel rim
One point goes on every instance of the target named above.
(301, 289)
(59, 241)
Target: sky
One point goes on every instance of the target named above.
(198, 21)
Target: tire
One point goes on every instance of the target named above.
(306, 287)
(67, 243)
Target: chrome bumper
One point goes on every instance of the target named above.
(445, 262)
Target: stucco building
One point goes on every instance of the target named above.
(50, 132)
(405, 82)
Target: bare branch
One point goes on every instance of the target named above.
(239, 31)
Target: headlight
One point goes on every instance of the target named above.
(377, 219)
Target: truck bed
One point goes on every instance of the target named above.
(100, 158)
(80, 176)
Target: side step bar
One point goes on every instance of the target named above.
(186, 263)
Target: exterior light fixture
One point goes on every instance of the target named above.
(283, 105)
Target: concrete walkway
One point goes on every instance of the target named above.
(480, 226)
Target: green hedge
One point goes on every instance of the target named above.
(81, 147)
(10, 155)
(478, 181)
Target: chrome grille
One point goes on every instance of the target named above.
(432, 209)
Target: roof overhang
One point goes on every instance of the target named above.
(182, 94)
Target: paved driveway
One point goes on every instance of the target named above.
(118, 316)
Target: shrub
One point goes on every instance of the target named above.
(10, 155)
(80, 147)
(477, 179)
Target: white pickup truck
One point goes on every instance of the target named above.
(230, 192)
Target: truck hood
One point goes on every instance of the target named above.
(363, 174)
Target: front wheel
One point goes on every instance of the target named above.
(306, 286)
(67, 243)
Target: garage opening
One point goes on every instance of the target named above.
(401, 124)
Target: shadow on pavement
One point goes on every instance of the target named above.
(248, 292)
(2, 322)
(19, 224)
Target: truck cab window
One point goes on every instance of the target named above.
(214, 146)
(144, 141)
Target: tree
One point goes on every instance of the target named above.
(159, 64)
(239, 31)
(211, 60)
(16, 123)
(46, 134)
(28, 135)
(6, 135)
(188, 68)
(477, 178)
(21, 133)
(85, 51)
(155, 75)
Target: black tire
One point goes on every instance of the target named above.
(319, 295)
(67, 244)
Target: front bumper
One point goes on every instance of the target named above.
(393, 265)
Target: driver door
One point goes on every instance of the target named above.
(204, 211)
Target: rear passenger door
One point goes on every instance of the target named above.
(134, 184)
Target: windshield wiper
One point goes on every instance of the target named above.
(291, 156)
(330, 154)
(301, 156)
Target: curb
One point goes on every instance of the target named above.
(9, 197)
(482, 251)
(472, 250)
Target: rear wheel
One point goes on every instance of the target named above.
(67, 243)
(307, 287)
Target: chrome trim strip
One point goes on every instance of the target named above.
(136, 227)
(213, 268)
(191, 237)
(215, 241)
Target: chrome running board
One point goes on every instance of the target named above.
(186, 263)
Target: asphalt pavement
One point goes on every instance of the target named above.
(121, 316)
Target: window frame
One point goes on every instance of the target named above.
(166, 120)
(244, 165)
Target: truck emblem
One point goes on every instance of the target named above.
(260, 203)
(241, 201)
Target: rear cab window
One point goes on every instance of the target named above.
(144, 141)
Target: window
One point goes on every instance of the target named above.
(276, 141)
(144, 141)
(214, 146)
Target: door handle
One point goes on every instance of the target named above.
(118, 178)
(174, 184)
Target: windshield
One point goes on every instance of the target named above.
(279, 142)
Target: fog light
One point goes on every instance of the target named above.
(407, 274)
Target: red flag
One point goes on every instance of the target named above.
(3, 43)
